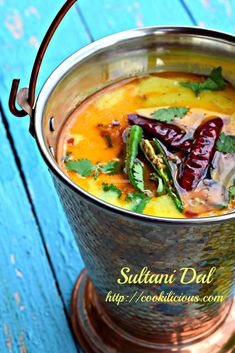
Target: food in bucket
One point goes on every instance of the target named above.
(161, 144)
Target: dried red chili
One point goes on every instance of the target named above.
(170, 134)
(195, 167)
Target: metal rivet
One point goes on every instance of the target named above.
(52, 124)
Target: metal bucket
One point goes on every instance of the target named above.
(110, 238)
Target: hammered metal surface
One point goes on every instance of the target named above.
(108, 242)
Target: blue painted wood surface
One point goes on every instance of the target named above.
(219, 14)
(39, 259)
(55, 230)
(115, 16)
(29, 301)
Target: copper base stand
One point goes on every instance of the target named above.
(97, 334)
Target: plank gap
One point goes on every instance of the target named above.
(22, 177)
(189, 13)
(84, 22)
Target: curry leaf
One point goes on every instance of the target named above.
(214, 82)
(112, 187)
(169, 114)
(226, 143)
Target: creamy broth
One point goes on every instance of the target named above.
(96, 132)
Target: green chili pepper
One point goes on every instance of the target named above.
(158, 159)
(161, 189)
(134, 169)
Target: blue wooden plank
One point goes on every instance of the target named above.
(24, 27)
(114, 16)
(213, 14)
(32, 317)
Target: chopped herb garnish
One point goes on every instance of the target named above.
(226, 143)
(112, 187)
(214, 82)
(85, 168)
(112, 167)
(169, 114)
(140, 201)
(108, 140)
(133, 195)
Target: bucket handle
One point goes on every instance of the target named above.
(26, 96)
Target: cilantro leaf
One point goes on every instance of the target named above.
(138, 175)
(140, 201)
(232, 191)
(112, 167)
(139, 208)
(214, 82)
(112, 187)
(216, 76)
(83, 167)
(196, 87)
(133, 195)
(96, 173)
(169, 114)
(226, 143)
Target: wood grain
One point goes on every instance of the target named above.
(33, 22)
(217, 14)
(29, 22)
(31, 311)
(114, 16)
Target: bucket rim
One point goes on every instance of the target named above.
(84, 53)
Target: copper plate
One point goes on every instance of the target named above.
(97, 334)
